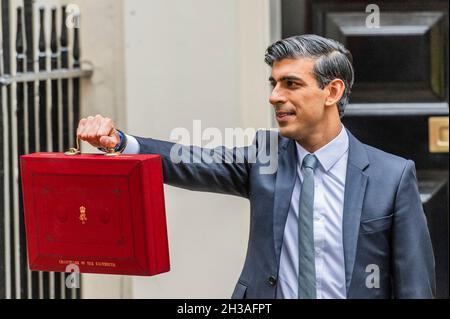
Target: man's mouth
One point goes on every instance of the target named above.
(284, 115)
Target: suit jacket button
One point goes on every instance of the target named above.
(272, 280)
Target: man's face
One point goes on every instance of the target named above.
(298, 101)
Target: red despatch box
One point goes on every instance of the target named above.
(104, 214)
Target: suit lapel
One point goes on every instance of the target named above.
(284, 186)
(355, 188)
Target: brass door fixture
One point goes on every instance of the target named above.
(438, 134)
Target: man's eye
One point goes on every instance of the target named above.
(290, 84)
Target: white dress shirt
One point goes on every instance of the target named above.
(329, 183)
(132, 145)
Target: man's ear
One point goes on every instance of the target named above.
(335, 90)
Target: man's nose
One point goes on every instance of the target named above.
(277, 98)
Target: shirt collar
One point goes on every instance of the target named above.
(329, 154)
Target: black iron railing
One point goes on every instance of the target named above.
(39, 111)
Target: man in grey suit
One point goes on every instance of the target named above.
(336, 218)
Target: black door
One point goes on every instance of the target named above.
(400, 99)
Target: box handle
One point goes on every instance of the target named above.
(76, 151)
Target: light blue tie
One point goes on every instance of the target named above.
(307, 267)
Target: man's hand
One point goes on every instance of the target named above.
(98, 131)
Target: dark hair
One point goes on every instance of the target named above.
(333, 60)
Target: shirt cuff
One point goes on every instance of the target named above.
(133, 146)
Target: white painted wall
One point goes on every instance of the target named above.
(182, 64)
(159, 65)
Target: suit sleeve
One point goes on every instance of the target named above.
(219, 170)
(413, 258)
